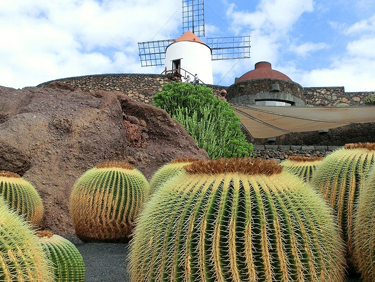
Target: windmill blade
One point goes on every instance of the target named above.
(227, 48)
(193, 17)
(152, 53)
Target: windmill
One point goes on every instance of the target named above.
(189, 55)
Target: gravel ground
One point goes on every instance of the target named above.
(106, 262)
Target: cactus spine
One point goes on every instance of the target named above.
(236, 220)
(21, 196)
(303, 167)
(105, 201)
(21, 255)
(66, 259)
(340, 179)
(364, 235)
(167, 171)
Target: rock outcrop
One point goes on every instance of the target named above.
(50, 136)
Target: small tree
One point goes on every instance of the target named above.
(210, 121)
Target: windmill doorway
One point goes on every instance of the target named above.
(176, 66)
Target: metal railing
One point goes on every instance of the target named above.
(183, 73)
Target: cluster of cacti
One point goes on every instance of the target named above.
(303, 167)
(21, 196)
(167, 171)
(105, 201)
(66, 259)
(364, 230)
(340, 178)
(236, 220)
(21, 255)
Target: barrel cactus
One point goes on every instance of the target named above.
(236, 220)
(364, 235)
(167, 171)
(340, 179)
(21, 255)
(66, 259)
(21, 196)
(105, 201)
(303, 167)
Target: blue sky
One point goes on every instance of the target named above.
(314, 42)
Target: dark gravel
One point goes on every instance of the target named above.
(104, 261)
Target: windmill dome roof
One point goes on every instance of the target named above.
(189, 36)
(262, 70)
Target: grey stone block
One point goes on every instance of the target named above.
(271, 147)
(308, 148)
(334, 148)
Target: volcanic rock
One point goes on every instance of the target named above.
(51, 136)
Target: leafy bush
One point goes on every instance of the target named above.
(210, 121)
(370, 99)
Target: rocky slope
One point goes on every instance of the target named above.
(50, 136)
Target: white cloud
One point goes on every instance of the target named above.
(363, 26)
(362, 48)
(305, 49)
(355, 68)
(44, 40)
(271, 15)
(52, 39)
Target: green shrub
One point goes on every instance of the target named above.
(236, 220)
(370, 99)
(210, 121)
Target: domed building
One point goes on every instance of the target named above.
(264, 86)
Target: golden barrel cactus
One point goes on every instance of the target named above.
(21, 196)
(236, 220)
(167, 171)
(364, 230)
(105, 201)
(67, 261)
(340, 178)
(21, 255)
(303, 167)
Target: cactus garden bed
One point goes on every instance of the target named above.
(107, 262)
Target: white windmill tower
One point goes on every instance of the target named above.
(189, 55)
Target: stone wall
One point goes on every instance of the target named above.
(353, 133)
(282, 152)
(139, 87)
(333, 97)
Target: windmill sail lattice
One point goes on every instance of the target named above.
(193, 17)
(226, 48)
(152, 53)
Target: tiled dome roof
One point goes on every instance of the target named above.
(263, 70)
